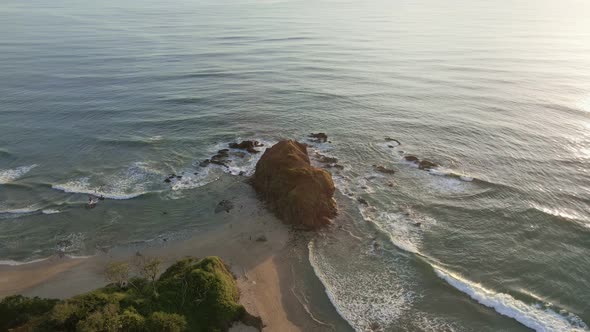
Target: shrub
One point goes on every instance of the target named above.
(131, 321)
(164, 322)
(193, 295)
(16, 310)
(104, 319)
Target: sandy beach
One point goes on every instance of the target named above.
(257, 246)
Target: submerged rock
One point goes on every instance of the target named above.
(383, 169)
(389, 139)
(412, 159)
(247, 145)
(297, 192)
(319, 137)
(336, 166)
(218, 159)
(171, 177)
(362, 201)
(426, 165)
(326, 160)
(329, 162)
(224, 205)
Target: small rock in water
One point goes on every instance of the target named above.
(336, 166)
(412, 159)
(383, 169)
(62, 244)
(389, 139)
(224, 205)
(319, 137)
(374, 326)
(246, 145)
(362, 201)
(205, 163)
(170, 177)
(325, 159)
(426, 165)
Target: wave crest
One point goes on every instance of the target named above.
(10, 175)
(537, 317)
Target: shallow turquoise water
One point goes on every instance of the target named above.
(110, 97)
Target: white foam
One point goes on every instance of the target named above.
(82, 186)
(191, 181)
(409, 163)
(129, 183)
(531, 316)
(353, 297)
(237, 165)
(17, 263)
(50, 211)
(403, 233)
(26, 210)
(562, 213)
(441, 171)
(9, 175)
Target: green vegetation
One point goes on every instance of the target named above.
(191, 295)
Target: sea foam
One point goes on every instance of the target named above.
(10, 175)
(126, 184)
(353, 297)
(531, 316)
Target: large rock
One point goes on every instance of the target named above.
(297, 192)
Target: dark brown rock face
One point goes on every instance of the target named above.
(297, 192)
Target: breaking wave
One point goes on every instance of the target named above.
(537, 317)
(131, 183)
(9, 175)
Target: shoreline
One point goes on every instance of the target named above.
(259, 249)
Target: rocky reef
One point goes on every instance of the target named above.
(295, 191)
(191, 295)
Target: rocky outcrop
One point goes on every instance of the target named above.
(422, 164)
(295, 191)
(319, 137)
(247, 145)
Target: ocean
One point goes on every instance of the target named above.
(108, 98)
